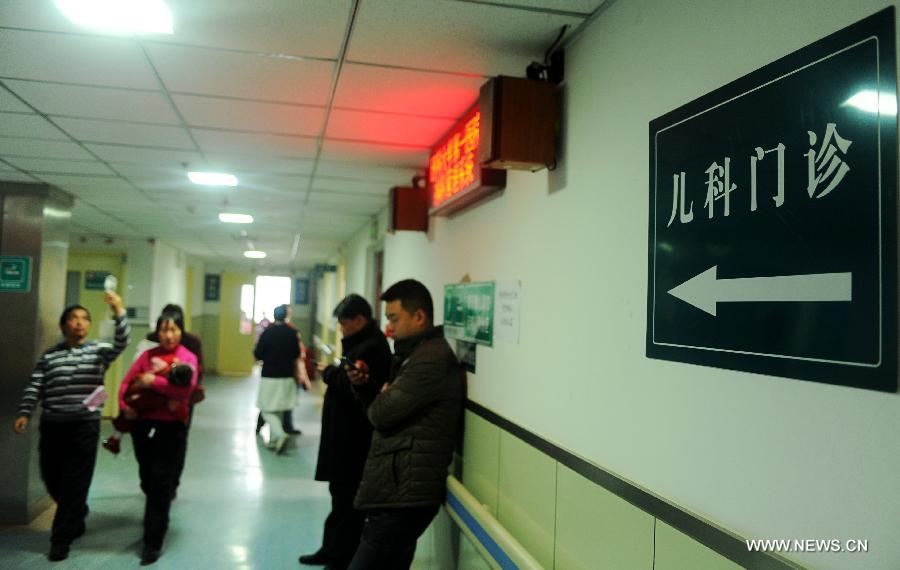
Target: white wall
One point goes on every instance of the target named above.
(198, 269)
(358, 256)
(765, 457)
(169, 278)
(140, 277)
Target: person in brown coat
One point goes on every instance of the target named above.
(416, 417)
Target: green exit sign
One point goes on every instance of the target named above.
(15, 273)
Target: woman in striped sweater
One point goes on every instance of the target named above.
(64, 379)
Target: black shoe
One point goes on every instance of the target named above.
(293, 431)
(316, 559)
(80, 532)
(58, 551)
(149, 555)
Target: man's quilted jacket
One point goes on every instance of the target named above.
(417, 422)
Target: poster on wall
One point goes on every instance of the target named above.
(772, 234)
(301, 291)
(211, 287)
(469, 312)
(466, 353)
(95, 280)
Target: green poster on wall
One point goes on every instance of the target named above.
(469, 312)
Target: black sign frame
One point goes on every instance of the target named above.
(879, 372)
(212, 287)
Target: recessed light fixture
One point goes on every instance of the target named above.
(236, 218)
(212, 178)
(121, 17)
(255, 254)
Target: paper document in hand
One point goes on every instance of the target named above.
(96, 399)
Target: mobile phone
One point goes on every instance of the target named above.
(348, 363)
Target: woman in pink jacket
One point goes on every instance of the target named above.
(159, 435)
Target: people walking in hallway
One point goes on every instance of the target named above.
(416, 420)
(278, 348)
(160, 435)
(64, 380)
(346, 431)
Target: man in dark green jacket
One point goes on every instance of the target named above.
(416, 419)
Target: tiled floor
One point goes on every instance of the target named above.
(239, 505)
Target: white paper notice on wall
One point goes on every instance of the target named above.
(507, 302)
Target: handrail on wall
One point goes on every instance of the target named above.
(494, 542)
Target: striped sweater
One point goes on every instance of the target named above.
(65, 376)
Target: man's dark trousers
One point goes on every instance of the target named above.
(68, 452)
(389, 537)
(344, 524)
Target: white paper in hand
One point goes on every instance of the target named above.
(110, 284)
(96, 399)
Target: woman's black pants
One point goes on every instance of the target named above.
(159, 447)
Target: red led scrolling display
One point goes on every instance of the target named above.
(453, 165)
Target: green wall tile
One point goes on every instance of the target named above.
(677, 551)
(481, 460)
(597, 529)
(527, 498)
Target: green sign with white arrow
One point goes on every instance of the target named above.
(773, 217)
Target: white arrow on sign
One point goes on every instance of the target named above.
(704, 290)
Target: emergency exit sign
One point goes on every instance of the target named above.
(15, 273)
(773, 210)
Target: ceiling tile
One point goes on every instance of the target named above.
(351, 203)
(152, 156)
(14, 176)
(251, 116)
(250, 76)
(33, 126)
(368, 172)
(583, 7)
(35, 148)
(90, 60)
(93, 102)
(250, 163)
(384, 155)
(147, 176)
(9, 102)
(248, 143)
(454, 36)
(386, 128)
(41, 165)
(311, 28)
(353, 187)
(107, 183)
(126, 133)
(403, 91)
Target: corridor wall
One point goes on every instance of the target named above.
(763, 457)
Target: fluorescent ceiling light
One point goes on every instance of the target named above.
(235, 218)
(123, 17)
(255, 254)
(873, 102)
(213, 178)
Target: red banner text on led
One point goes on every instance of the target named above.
(453, 166)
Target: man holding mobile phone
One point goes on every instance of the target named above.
(346, 432)
(416, 417)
